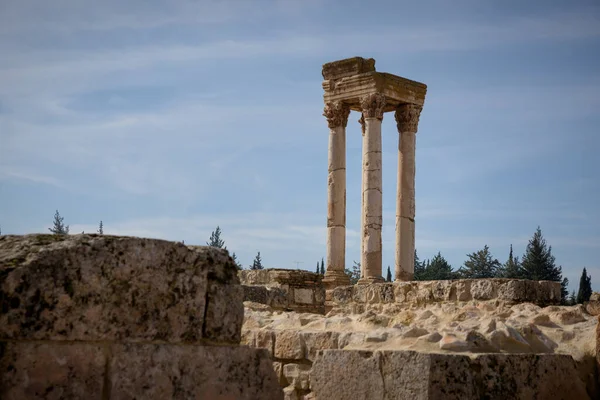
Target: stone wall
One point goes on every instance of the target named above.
(510, 291)
(392, 374)
(284, 289)
(88, 316)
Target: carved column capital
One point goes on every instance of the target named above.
(407, 117)
(336, 113)
(372, 105)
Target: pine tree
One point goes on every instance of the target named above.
(512, 267)
(585, 288)
(572, 300)
(257, 263)
(322, 266)
(236, 262)
(389, 275)
(538, 263)
(101, 228)
(215, 239)
(480, 265)
(436, 269)
(419, 268)
(59, 227)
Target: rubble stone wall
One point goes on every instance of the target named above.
(284, 289)
(106, 317)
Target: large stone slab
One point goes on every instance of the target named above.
(63, 370)
(407, 374)
(92, 287)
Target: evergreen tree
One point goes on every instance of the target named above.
(235, 261)
(538, 263)
(215, 239)
(354, 273)
(389, 275)
(59, 227)
(436, 269)
(101, 228)
(585, 288)
(257, 263)
(480, 265)
(318, 271)
(419, 268)
(322, 266)
(512, 266)
(572, 300)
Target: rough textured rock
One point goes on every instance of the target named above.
(89, 316)
(58, 287)
(406, 374)
(284, 289)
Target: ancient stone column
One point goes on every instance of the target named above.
(337, 118)
(407, 119)
(372, 107)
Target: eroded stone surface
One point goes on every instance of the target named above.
(90, 287)
(407, 374)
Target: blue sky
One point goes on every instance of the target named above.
(167, 118)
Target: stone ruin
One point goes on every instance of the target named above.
(89, 316)
(106, 317)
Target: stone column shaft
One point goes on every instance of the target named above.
(372, 210)
(337, 118)
(407, 118)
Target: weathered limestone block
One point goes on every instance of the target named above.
(342, 294)
(347, 374)
(30, 370)
(592, 307)
(265, 339)
(256, 294)
(303, 296)
(483, 289)
(380, 293)
(90, 287)
(289, 344)
(315, 341)
(191, 372)
(389, 374)
(297, 375)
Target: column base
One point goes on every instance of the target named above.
(371, 279)
(404, 276)
(333, 279)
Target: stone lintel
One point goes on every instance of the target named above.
(397, 90)
(347, 67)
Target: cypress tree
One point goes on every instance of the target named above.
(318, 270)
(101, 228)
(389, 275)
(585, 287)
(322, 266)
(512, 267)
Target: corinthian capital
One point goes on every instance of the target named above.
(407, 117)
(372, 105)
(336, 113)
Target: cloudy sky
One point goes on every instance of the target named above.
(167, 118)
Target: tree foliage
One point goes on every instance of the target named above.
(389, 275)
(538, 263)
(101, 228)
(257, 263)
(435, 269)
(215, 239)
(322, 266)
(354, 273)
(480, 265)
(585, 287)
(58, 226)
(512, 267)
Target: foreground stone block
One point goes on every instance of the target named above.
(407, 374)
(52, 371)
(192, 372)
(90, 287)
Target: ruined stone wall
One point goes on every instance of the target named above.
(359, 298)
(284, 289)
(107, 317)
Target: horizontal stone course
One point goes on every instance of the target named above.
(392, 374)
(510, 291)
